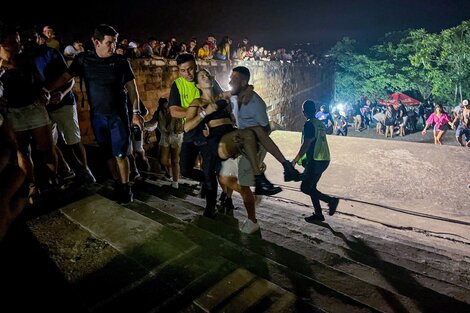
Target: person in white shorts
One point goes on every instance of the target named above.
(171, 138)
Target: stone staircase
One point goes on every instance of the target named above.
(159, 254)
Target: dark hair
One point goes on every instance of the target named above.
(184, 57)
(202, 70)
(309, 107)
(160, 107)
(221, 104)
(162, 101)
(104, 30)
(242, 70)
(123, 47)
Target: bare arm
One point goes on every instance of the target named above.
(192, 117)
(60, 81)
(11, 178)
(58, 95)
(195, 116)
(178, 112)
(134, 97)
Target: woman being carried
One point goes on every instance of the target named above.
(209, 116)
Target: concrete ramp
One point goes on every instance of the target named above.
(397, 183)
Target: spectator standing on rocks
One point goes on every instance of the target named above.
(51, 40)
(314, 155)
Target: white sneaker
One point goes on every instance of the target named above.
(249, 227)
(175, 184)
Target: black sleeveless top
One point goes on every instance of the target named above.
(215, 133)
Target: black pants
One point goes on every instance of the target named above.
(209, 168)
(313, 172)
(188, 154)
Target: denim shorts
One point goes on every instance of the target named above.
(28, 117)
(460, 131)
(113, 133)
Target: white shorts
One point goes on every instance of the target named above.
(137, 145)
(66, 119)
(172, 140)
(405, 119)
(28, 117)
(229, 167)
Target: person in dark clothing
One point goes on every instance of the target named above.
(314, 155)
(108, 77)
(182, 93)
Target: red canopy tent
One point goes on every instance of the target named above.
(398, 96)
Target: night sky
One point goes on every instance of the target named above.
(272, 23)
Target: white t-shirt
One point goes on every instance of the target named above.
(252, 114)
(70, 51)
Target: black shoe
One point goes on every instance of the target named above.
(202, 192)
(290, 173)
(66, 175)
(223, 197)
(210, 213)
(332, 205)
(227, 206)
(126, 197)
(264, 187)
(87, 177)
(134, 175)
(315, 218)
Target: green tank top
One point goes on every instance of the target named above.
(321, 151)
(188, 91)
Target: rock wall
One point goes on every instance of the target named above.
(283, 86)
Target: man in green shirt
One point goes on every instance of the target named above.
(317, 160)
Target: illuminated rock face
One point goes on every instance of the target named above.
(283, 86)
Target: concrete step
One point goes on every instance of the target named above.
(355, 252)
(404, 250)
(118, 260)
(393, 278)
(160, 255)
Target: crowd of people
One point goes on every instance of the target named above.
(209, 49)
(227, 130)
(399, 120)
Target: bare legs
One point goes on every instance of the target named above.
(245, 192)
(389, 129)
(169, 158)
(438, 137)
